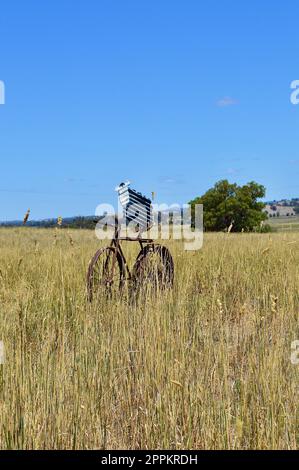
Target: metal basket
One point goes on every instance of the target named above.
(137, 208)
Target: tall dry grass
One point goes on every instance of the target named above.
(205, 366)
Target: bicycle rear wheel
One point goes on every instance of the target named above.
(154, 268)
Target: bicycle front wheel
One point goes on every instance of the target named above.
(106, 273)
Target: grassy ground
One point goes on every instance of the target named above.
(284, 224)
(205, 366)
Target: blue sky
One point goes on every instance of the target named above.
(172, 95)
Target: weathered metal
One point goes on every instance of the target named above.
(137, 208)
(108, 269)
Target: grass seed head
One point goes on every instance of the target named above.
(26, 217)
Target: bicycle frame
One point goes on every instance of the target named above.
(114, 253)
(116, 243)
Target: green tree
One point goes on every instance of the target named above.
(228, 204)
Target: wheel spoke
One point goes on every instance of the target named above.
(153, 268)
(105, 273)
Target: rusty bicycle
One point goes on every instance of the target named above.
(108, 271)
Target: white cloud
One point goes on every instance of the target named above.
(226, 101)
(231, 171)
(169, 181)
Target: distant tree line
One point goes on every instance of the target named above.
(83, 222)
(285, 202)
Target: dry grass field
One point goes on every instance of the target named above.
(284, 224)
(206, 366)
